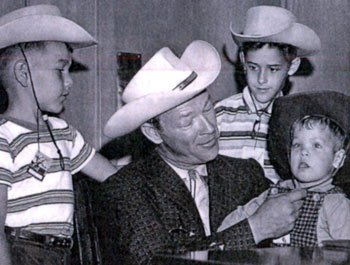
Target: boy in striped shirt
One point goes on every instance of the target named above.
(271, 46)
(38, 153)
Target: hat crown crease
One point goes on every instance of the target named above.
(162, 73)
(266, 21)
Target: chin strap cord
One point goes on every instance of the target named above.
(44, 116)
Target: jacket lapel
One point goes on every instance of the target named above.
(165, 180)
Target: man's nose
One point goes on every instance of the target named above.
(262, 78)
(208, 126)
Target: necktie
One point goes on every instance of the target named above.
(200, 194)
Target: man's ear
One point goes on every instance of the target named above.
(20, 70)
(294, 66)
(151, 133)
(339, 158)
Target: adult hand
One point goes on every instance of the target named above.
(277, 215)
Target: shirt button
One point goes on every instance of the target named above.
(274, 191)
(316, 197)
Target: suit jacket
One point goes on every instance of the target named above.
(146, 208)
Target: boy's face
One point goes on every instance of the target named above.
(50, 72)
(266, 72)
(312, 154)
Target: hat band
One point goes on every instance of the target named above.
(186, 82)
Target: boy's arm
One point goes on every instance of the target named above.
(333, 222)
(99, 168)
(4, 249)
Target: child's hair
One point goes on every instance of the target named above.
(7, 55)
(289, 52)
(311, 121)
(10, 53)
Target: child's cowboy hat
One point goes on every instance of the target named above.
(286, 110)
(278, 25)
(163, 83)
(41, 23)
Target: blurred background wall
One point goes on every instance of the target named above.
(145, 26)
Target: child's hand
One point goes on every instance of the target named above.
(120, 162)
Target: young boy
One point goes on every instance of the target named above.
(313, 137)
(270, 49)
(308, 145)
(38, 153)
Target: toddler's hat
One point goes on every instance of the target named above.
(287, 109)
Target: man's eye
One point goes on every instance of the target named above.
(185, 122)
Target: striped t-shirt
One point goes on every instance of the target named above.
(41, 206)
(243, 130)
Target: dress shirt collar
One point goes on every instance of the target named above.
(183, 173)
(322, 187)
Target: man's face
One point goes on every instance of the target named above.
(266, 72)
(312, 154)
(50, 72)
(189, 132)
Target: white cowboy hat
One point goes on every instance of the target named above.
(163, 83)
(41, 23)
(278, 25)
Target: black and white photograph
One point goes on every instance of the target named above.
(167, 132)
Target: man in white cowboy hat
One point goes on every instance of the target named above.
(271, 46)
(39, 154)
(176, 198)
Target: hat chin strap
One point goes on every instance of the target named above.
(45, 117)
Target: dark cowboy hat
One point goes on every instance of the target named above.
(286, 110)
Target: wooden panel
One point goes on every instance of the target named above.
(330, 19)
(107, 63)
(8, 6)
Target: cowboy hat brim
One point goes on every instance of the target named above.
(298, 35)
(287, 109)
(199, 56)
(44, 28)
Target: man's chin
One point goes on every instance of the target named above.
(211, 155)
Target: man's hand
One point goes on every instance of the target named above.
(276, 216)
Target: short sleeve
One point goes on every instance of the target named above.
(218, 112)
(333, 222)
(81, 152)
(6, 163)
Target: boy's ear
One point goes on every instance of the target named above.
(20, 70)
(151, 133)
(294, 66)
(242, 58)
(339, 158)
